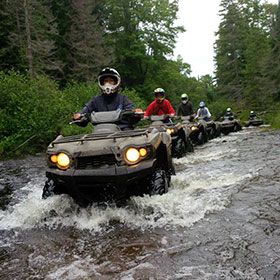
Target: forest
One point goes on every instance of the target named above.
(52, 51)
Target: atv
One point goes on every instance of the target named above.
(213, 129)
(229, 124)
(180, 135)
(109, 164)
(198, 129)
(253, 122)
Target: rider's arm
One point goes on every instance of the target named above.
(127, 104)
(170, 108)
(149, 110)
(208, 113)
(179, 110)
(89, 107)
(191, 109)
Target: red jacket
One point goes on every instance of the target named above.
(162, 108)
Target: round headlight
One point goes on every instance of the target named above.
(132, 155)
(143, 152)
(53, 158)
(63, 160)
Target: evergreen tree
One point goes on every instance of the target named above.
(229, 51)
(32, 35)
(271, 81)
(87, 44)
(241, 49)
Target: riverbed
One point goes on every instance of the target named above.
(219, 220)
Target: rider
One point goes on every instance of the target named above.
(185, 108)
(229, 114)
(253, 115)
(109, 81)
(203, 112)
(160, 106)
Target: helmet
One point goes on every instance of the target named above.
(252, 112)
(184, 98)
(159, 90)
(201, 104)
(228, 109)
(109, 72)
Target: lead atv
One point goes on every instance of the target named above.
(180, 135)
(198, 129)
(109, 164)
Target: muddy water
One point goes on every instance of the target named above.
(220, 220)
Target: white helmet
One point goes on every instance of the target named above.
(109, 72)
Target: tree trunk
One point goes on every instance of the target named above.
(28, 39)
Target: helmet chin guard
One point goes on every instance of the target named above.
(108, 88)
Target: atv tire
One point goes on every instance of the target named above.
(211, 133)
(200, 138)
(49, 189)
(189, 145)
(159, 183)
(180, 148)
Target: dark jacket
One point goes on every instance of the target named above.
(102, 102)
(185, 109)
(229, 115)
(112, 102)
(252, 116)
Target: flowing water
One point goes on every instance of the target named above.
(219, 220)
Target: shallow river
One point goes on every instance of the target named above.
(220, 220)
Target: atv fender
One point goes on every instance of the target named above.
(166, 139)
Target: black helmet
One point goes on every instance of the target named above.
(109, 72)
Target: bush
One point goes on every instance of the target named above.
(34, 112)
(27, 110)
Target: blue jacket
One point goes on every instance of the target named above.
(112, 102)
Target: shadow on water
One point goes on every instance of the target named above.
(220, 220)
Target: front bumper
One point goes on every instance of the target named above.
(117, 175)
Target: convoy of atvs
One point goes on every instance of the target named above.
(111, 164)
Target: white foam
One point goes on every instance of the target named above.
(193, 194)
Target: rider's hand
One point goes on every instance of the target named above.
(139, 111)
(146, 117)
(77, 116)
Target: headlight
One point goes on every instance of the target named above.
(170, 130)
(132, 155)
(63, 161)
(194, 128)
(143, 152)
(53, 158)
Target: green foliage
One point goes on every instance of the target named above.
(33, 112)
(246, 65)
(36, 111)
(27, 110)
(144, 33)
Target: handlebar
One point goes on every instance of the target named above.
(83, 118)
